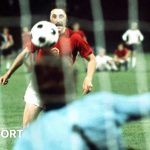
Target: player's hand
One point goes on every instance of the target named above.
(4, 80)
(87, 85)
(55, 51)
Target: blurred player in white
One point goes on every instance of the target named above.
(69, 44)
(104, 62)
(133, 38)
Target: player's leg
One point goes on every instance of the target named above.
(107, 66)
(126, 65)
(31, 111)
(32, 106)
(133, 62)
(113, 65)
(118, 64)
(132, 55)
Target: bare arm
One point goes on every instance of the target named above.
(124, 36)
(9, 43)
(16, 64)
(87, 84)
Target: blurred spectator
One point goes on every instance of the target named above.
(76, 28)
(104, 62)
(133, 38)
(7, 47)
(121, 56)
(2, 42)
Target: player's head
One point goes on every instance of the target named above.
(5, 30)
(59, 18)
(76, 26)
(25, 29)
(101, 51)
(134, 25)
(55, 82)
(120, 46)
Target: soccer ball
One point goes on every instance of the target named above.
(44, 34)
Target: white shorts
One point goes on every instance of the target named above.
(31, 96)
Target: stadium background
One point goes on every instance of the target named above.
(115, 15)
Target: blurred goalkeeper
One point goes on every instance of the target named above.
(69, 44)
(90, 123)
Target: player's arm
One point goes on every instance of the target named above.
(125, 35)
(141, 37)
(116, 58)
(16, 64)
(87, 84)
(10, 42)
(87, 53)
(126, 56)
(132, 107)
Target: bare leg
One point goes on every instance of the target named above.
(31, 111)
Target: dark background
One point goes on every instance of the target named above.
(115, 14)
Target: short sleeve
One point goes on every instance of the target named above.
(26, 42)
(83, 47)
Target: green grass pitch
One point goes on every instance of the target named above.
(12, 104)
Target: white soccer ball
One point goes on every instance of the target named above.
(44, 34)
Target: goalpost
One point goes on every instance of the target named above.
(104, 80)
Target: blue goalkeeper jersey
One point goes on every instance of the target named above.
(90, 123)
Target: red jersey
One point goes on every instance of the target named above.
(121, 53)
(69, 44)
(81, 34)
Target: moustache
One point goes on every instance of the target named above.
(59, 24)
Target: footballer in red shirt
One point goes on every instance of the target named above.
(69, 44)
(121, 56)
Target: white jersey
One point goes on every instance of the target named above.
(102, 62)
(133, 36)
(103, 59)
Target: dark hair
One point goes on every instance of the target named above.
(53, 76)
